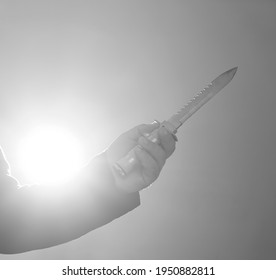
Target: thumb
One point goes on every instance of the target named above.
(141, 129)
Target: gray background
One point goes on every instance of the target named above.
(100, 67)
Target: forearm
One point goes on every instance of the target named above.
(36, 217)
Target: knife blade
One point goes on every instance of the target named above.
(125, 165)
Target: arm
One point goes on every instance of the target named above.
(36, 217)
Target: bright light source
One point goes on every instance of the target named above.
(50, 155)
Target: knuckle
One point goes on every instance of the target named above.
(173, 148)
(170, 151)
(156, 171)
(169, 146)
(163, 156)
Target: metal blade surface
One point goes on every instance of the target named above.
(176, 120)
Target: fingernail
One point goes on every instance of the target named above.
(119, 170)
(154, 139)
(174, 137)
(155, 122)
(146, 134)
(125, 164)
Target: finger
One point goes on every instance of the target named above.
(155, 150)
(150, 170)
(167, 141)
(141, 129)
(128, 140)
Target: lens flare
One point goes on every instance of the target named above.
(50, 155)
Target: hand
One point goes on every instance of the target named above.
(150, 156)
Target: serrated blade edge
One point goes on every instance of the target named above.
(201, 98)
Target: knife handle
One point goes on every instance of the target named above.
(128, 163)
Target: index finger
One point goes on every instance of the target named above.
(141, 129)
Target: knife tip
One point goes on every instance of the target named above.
(231, 72)
(234, 69)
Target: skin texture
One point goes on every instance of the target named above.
(150, 156)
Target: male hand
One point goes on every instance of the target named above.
(150, 157)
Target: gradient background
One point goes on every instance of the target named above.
(100, 67)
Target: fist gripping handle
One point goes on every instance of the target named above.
(128, 163)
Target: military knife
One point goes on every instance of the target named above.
(125, 165)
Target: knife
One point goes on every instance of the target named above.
(125, 165)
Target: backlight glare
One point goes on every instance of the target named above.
(50, 155)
